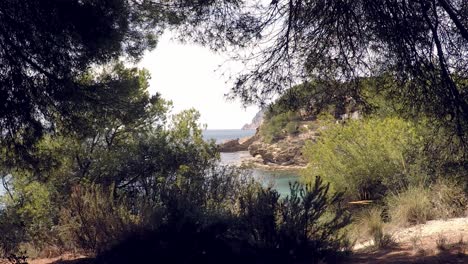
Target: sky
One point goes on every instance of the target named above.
(190, 76)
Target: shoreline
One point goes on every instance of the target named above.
(246, 160)
(252, 163)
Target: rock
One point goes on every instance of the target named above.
(230, 146)
(256, 121)
(285, 152)
(235, 145)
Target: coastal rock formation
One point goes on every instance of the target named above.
(237, 144)
(285, 152)
(256, 121)
(282, 154)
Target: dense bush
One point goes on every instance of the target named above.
(12, 230)
(279, 126)
(364, 158)
(127, 142)
(253, 226)
(313, 98)
(94, 219)
(448, 198)
(27, 216)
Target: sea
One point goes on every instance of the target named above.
(278, 180)
(221, 135)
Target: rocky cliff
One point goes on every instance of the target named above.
(284, 152)
(238, 144)
(256, 121)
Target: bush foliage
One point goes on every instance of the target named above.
(280, 126)
(127, 173)
(364, 158)
(253, 226)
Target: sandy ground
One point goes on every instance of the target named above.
(454, 227)
(438, 241)
(64, 259)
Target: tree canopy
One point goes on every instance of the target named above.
(421, 44)
(46, 47)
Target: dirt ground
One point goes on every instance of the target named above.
(435, 242)
(64, 259)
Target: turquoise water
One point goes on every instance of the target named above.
(279, 180)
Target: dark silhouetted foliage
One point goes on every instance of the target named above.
(422, 45)
(258, 227)
(46, 45)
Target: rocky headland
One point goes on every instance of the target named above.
(256, 121)
(238, 144)
(284, 153)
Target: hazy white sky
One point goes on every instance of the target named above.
(189, 75)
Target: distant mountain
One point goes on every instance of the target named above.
(256, 121)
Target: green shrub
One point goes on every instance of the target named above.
(279, 126)
(95, 219)
(26, 216)
(258, 227)
(298, 223)
(412, 206)
(364, 158)
(292, 128)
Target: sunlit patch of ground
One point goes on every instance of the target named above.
(434, 242)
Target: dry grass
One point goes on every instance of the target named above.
(448, 199)
(410, 207)
(441, 242)
(369, 224)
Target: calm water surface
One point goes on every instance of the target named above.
(279, 180)
(221, 135)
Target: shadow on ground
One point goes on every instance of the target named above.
(454, 253)
(391, 256)
(451, 254)
(75, 261)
